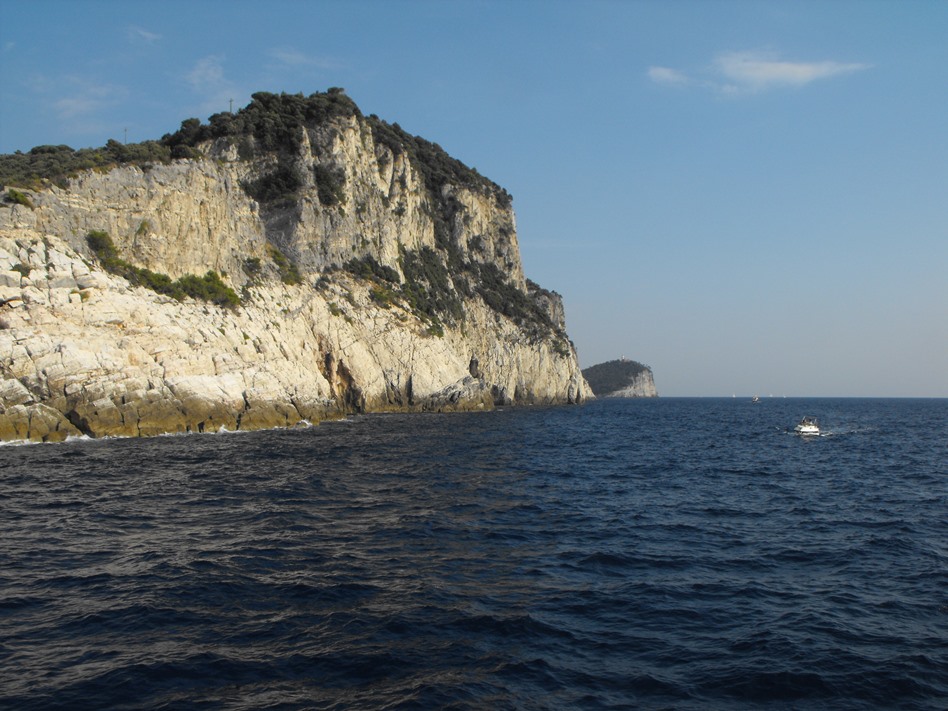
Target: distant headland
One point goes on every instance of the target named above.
(621, 378)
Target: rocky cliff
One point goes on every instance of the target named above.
(362, 269)
(621, 378)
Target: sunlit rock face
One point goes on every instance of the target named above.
(385, 277)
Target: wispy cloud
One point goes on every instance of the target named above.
(665, 75)
(138, 34)
(738, 73)
(72, 106)
(85, 98)
(207, 74)
(208, 79)
(756, 71)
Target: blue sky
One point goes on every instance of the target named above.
(750, 197)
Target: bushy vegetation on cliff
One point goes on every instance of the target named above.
(275, 121)
(15, 197)
(434, 293)
(206, 288)
(613, 375)
(427, 290)
(58, 163)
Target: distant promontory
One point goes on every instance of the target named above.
(621, 378)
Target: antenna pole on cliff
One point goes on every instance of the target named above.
(232, 106)
(126, 137)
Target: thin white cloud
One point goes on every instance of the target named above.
(72, 106)
(138, 34)
(738, 73)
(665, 75)
(207, 74)
(86, 98)
(208, 79)
(757, 71)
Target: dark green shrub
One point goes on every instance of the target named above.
(289, 272)
(280, 185)
(560, 348)
(252, 267)
(101, 244)
(382, 295)
(207, 288)
(186, 152)
(428, 286)
(190, 134)
(367, 267)
(138, 276)
(329, 184)
(23, 269)
(17, 198)
(136, 153)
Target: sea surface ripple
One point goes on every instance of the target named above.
(656, 554)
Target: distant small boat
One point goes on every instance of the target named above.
(807, 426)
(755, 399)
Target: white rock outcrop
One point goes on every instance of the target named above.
(642, 385)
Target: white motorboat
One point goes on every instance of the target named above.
(807, 426)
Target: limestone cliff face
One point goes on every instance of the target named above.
(642, 385)
(411, 293)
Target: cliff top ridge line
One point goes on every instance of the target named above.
(275, 122)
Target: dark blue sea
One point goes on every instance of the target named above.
(624, 554)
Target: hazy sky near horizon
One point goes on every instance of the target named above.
(750, 197)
